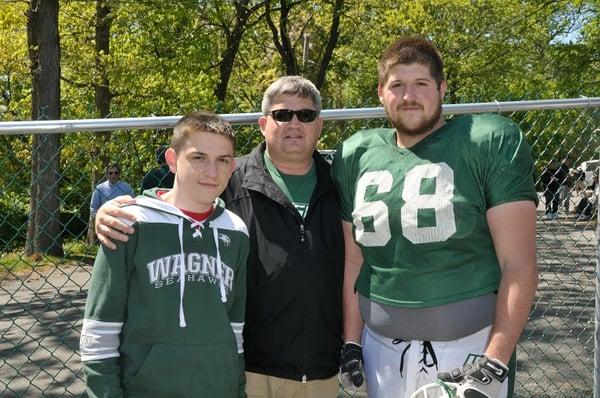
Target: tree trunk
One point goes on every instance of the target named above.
(334, 33)
(234, 38)
(102, 99)
(44, 231)
(31, 230)
(283, 42)
(281, 38)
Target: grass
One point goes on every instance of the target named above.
(76, 251)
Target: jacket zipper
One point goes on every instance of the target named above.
(302, 234)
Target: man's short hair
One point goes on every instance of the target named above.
(408, 51)
(200, 122)
(291, 85)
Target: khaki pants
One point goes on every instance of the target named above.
(262, 386)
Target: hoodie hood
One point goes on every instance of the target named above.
(150, 200)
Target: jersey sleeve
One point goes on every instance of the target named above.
(103, 320)
(340, 170)
(509, 167)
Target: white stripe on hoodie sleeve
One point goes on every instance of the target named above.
(239, 338)
(99, 340)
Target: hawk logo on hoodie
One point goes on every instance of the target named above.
(225, 239)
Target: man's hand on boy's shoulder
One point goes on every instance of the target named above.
(108, 226)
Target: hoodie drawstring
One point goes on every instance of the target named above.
(182, 267)
(219, 267)
(182, 322)
(197, 225)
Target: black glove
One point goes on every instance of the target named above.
(352, 374)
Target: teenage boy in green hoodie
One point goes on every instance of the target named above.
(155, 328)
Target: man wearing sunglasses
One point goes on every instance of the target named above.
(109, 189)
(284, 193)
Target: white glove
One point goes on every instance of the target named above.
(482, 379)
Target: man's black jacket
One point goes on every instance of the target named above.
(293, 326)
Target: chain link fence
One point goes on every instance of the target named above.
(43, 286)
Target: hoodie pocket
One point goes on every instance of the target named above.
(186, 371)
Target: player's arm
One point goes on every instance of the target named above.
(351, 374)
(109, 227)
(353, 322)
(513, 228)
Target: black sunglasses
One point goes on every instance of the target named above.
(113, 172)
(285, 115)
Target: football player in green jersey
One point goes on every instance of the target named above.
(439, 224)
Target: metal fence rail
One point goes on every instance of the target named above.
(42, 297)
(163, 122)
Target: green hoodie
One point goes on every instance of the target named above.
(147, 332)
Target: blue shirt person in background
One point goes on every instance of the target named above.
(109, 188)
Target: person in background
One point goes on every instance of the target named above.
(284, 192)
(579, 184)
(109, 189)
(588, 202)
(551, 179)
(439, 222)
(566, 186)
(162, 176)
(165, 310)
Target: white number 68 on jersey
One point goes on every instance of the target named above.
(439, 201)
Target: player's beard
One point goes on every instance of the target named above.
(425, 125)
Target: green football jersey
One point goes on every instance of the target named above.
(419, 213)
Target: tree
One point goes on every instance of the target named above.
(15, 79)
(287, 34)
(44, 232)
(102, 96)
(233, 37)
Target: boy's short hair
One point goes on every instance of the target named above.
(291, 85)
(200, 122)
(411, 50)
